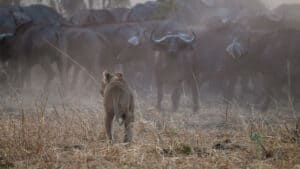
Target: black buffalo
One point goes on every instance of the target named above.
(175, 64)
(120, 14)
(276, 57)
(92, 17)
(38, 14)
(130, 50)
(71, 6)
(9, 2)
(41, 14)
(92, 56)
(32, 45)
(212, 56)
(7, 21)
(290, 15)
(271, 57)
(147, 11)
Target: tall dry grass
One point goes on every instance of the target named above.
(73, 137)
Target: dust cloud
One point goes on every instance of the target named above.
(269, 3)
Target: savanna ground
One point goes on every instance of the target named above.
(45, 133)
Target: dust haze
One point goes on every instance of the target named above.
(186, 83)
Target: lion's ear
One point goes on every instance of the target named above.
(107, 76)
(119, 75)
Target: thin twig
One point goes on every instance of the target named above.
(74, 61)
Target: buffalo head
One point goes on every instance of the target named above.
(236, 49)
(241, 40)
(4, 46)
(20, 18)
(5, 35)
(173, 43)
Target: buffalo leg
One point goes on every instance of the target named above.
(91, 4)
(62, 70)
(295, 91)
(270, 86)
(245, 80)
(229, 89)
(49, 73)
(26, 78)
(103, 4)
(75, 78)
(21, 76)
(266, 101)
(194, 84)
(159, 95)
(195, 96)
(176, 94)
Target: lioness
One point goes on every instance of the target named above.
(118, 102)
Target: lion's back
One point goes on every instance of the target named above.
(120, 93)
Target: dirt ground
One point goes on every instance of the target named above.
(45, 133)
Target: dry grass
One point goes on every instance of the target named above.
(74, 137)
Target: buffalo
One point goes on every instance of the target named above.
(7, 21)
(120, 14)
(32, 45)
(71, 6)
(109, 46)
(276, 59)
(271, 57)
(93, 55)
(211, 55)
(146, 12)
(41, 14)
(290, 15)
(9, 2)
(131, 49)
(175, 64)
(38, 14)
(92, 17)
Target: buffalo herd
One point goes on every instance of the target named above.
(226, 45)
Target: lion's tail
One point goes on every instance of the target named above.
(117, 113)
